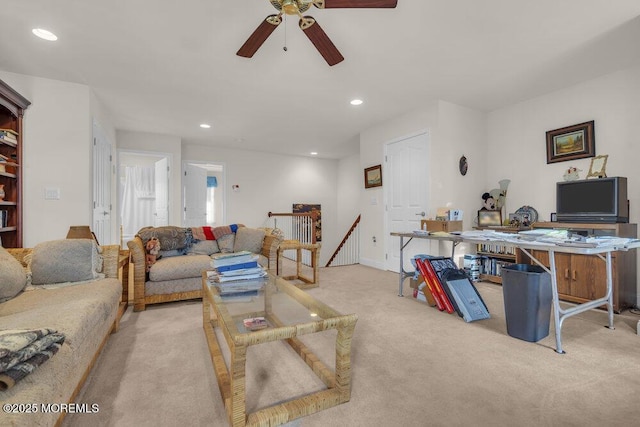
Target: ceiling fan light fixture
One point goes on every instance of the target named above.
(290, 7)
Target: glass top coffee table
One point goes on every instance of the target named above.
(289, 313)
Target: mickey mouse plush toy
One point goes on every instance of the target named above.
(489, 203)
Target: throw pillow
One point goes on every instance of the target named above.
(226, 242)
(249, 239)
(204, 247)
(13, 278)
(68, 260)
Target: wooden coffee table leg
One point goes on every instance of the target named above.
(238, 404)
(343, 358)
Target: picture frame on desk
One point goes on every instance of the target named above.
(488, 218)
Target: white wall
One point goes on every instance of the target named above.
(57, 154)
(350, 182)
(273, 183)
(516, 139)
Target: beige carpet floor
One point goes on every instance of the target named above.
(412, 366)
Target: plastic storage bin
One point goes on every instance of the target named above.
(527, 301)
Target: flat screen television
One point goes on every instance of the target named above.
(592, 200)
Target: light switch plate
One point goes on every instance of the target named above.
(52, 194)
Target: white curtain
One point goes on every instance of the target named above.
(138, 200)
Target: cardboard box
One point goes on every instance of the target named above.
(446, 226)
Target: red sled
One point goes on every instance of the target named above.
(435, 287)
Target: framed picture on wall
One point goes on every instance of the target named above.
(571, 142)
(373, 176)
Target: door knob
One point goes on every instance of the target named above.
(421, 213)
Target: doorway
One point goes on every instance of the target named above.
(143, 191)
(204, 195)
(406, 194)
(102, 176)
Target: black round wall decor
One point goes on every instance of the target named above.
(463, 165)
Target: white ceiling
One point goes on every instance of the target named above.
(165, 66)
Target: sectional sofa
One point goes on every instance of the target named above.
(81, 302)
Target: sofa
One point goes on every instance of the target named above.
(175, 272)
(81, 309)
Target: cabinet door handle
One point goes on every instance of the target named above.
(566, 273)
(575, 274)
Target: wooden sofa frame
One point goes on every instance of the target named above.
(110, 255)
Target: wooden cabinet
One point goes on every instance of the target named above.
(12, 106)
(436, 225)
(582, 278)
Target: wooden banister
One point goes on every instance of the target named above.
(344, 240)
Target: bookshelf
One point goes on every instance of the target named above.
(12, 106)
(495, 256)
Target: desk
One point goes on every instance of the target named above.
(454, 239)
(559, 314)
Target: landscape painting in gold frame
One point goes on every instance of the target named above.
(373, 176)
(571, 142)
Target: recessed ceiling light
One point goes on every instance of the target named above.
(44, 34)
(356, 102)
(205, 126)
(314, 153)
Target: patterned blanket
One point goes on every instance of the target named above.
(22, 351)
(214, 233)
(170, 237)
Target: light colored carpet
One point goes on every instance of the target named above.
(412, 366)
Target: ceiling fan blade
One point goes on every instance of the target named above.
(374, 4)
(255, 40)
(320, 40)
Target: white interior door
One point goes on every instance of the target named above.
(102, 166)
(195, 196)
(406, 193)
(161, 214)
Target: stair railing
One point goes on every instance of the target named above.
(296, 226)
(348, 251)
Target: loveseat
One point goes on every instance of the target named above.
(84, 312)
(184, 253)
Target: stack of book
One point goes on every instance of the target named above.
(9, 136)
(237, 274)
(3, 159)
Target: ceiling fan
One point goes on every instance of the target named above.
(307, 24)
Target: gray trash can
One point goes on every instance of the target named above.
(527, 301)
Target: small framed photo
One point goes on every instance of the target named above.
(571, 143)
(373, 176)
(489, 218)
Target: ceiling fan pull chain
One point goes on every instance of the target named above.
(285, 33)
